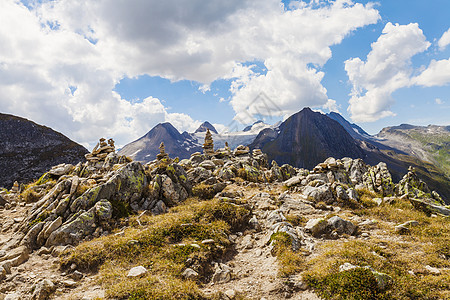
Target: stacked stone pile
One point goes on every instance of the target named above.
(162, 153)
(208, 146)
(101, 150)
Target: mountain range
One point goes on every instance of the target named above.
(308, 138)
(303, 140)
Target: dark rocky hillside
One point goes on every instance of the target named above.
(28, 149)
(307, 138)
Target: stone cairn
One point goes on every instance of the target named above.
(208, 146)
(101, 150)
(162, 152)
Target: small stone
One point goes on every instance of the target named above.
(77, 275)
(208, 242)
(432, 270)
(378, 201)
(189, 274)
(137, 271)
(69, 283)
(43, 289)
(347, 267)
(230, 294)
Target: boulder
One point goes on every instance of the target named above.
(321, 193)
(43, 289)
(341, 226)
(60, 170)
(317, 227)
(73, 231)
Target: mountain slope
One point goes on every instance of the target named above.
(306, 139)
(431, 143)
(147, 147)
(354, 130)
(27, 150)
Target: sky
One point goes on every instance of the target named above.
(116, 68)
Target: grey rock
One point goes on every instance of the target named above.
(103, 210)
(13, 296)
(76, 275)
(317, 227)
(346, 267)
(341, 226)
(208, 165)
(61, 169)
(137, 271)
(43, 289)
(296, 180)
(352, 194)
(159, 208)
(189, 274)
(222, 274)
(71, 233)
(321, 193)
(31, 237)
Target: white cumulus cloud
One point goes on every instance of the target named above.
(436, 74)
(386, 69)
(444, 41)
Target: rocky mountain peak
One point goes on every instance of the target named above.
(205, 126)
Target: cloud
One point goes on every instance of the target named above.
(436, 74)
(386, 69)
(439, 101)
(299, 44)
(60, 60)
(444, 41)
(331, 106)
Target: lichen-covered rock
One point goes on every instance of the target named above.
(378, 179)
(72, 232)
(412, 186)
(198, 174)
(275, 173)
(103, 210)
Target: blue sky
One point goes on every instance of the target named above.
(117, 68)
